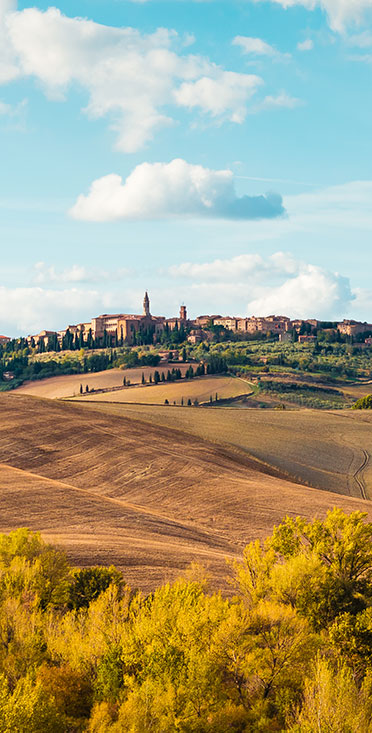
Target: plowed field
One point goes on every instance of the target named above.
(328, 450)
(149, 498)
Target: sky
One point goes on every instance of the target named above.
(217, 153)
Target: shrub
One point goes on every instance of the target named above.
(365, 403)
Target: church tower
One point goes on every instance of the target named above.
(183, 313)
(146, 305)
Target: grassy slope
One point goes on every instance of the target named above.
(323, 449)
(150, 499)
(197, 388)
(69, 384)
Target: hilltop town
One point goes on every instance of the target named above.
(119, 329)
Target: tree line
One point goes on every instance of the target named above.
(289, 650)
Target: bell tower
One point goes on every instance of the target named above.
(183, 313)
(146, 305)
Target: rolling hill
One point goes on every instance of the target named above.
(68, 385)
(200, 388)
(149, 498)
(327, 450)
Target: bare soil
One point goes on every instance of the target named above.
(322, 449)
(149, 498)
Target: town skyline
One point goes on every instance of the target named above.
(119, 329)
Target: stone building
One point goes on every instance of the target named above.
(354, 328)
(273, 324)
(122, 327)
(43, 336)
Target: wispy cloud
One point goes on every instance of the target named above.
(48, 274)
(306, 45)
(340, 13)
(259, 48)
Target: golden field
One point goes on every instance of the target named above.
(68, 385)
(200, 388)
(328, 450)
(112, 487)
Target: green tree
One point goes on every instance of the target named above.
(88, 583)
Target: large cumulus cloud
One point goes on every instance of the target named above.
(175, 189)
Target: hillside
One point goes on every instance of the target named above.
(327, 450)
(68, 385)
(150, 499)
(200, 388)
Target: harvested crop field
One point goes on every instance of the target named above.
(325, 449)
(200, 388)
(114, 489)
(68, 385)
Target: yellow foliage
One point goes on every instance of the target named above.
(332, 703)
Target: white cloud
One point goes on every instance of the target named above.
(130, 78)
(361, 40)
(177, 188)
(243, 266)
(312, 292)
(5, 109)
(278, 284)
(258, 47)
(14, 111)
(362, 304)
(8, 63)
(283, 100)
(306, 45)
(44, 274)
(28, 310)
(341, 13)
(223, 96)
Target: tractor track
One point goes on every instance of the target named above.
(358, 475)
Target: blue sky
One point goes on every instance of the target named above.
(217, 153)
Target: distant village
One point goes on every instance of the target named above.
(119, 329)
